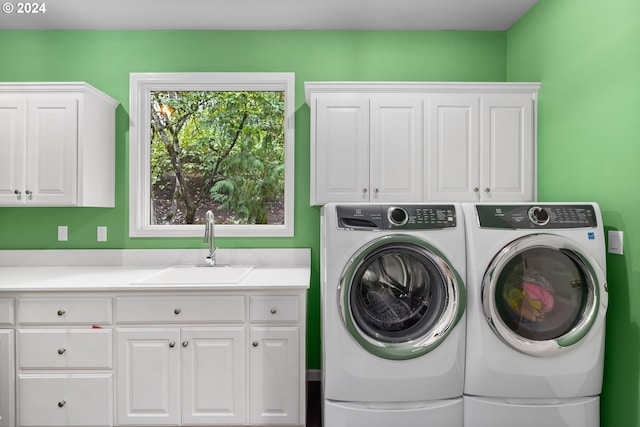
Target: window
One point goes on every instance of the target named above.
(219, 141)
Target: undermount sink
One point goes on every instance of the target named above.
(198, 275)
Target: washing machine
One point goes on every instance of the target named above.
(537, 300)
(393, 308)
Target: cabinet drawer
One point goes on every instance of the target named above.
(220, 308)
(64, 310)
(65, 348)
(65, 400)
(274, 308)
(6, 311)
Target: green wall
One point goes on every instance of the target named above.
(586, 53)
(105, 59)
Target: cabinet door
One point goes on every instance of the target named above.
(275, 390)
(396, 149)
(52, 151)
(340, 155)
(7, 378)
(148, 374)
(213, 376)
(12, 150)
(507, 148)
(453, 148)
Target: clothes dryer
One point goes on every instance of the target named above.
(393, 304)
(537, 300)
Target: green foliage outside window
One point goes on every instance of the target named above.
(217, 150)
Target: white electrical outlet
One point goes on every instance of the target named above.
(63, 233)
(616, 241)
(102, 233)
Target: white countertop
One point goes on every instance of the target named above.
(273, 268)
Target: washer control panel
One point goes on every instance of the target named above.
(536, 216)
(402, 217)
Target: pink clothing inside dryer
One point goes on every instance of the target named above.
(536, 292)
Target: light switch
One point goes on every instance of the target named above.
(102, 233)
(616, 240)
(63, 233)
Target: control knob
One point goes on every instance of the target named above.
(538, 215)
(397, 216)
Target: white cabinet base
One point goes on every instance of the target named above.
(210, 357)
(7, 375)
(148, 374)
(275, 374)
(65, 400)
(240, 363)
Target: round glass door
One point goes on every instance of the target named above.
(541, 294)
(399, 297)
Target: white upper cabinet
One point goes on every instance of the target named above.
(395, 170)
(340, 172)
(57, 145)
(507, 147)
(481, 147)
(366, 148)
(453, 148)
(411, 142)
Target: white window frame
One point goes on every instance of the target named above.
(141, 86)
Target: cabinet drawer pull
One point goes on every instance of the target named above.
(172, 344)
(61, 350)
(185, 344)
(274, 310)
(62, 403)
(177, 311)
(61, 312)
(255, 343)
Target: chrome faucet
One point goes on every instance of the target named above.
(209, 238)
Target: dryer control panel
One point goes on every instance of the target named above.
(536, 216)
(401, 217)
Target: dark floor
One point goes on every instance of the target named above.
(314, 407)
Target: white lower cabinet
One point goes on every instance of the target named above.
(65, 399)
(171, 376)
(275, 374)
(216, 360)
(64, 356)
(7, 374)
(102, 359)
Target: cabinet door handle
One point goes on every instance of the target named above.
(172, 344)
(17, 192)
(177, 311)
(376, 191)
(274, 310)
(486, 190)
(364, 191)
(185, 344)
(61, 312)
(475, 190)
(62, 403)
(255, 343)
(61, 350)
(28, 192)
